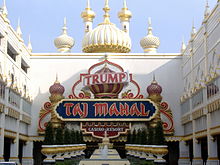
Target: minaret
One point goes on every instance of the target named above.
(29, 44)
(88, 15)
(183, 46)
(207, 10)
(125, 16)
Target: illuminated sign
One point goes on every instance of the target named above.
(105, 78)
(106, 109)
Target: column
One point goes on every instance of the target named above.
(197, 159)
(15, 146)
(28, 153)
(2, 140)
(212, 145)
(184, 154)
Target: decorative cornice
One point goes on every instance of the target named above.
(185, 119)
(13, 113)
(198, 113)
(214, 106)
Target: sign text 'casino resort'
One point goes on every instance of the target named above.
(72, 109)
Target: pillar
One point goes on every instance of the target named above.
(15, 146)
(2, 132)
(197, 159)
(28, 153)
(184, 154)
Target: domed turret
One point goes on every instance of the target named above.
(64, 43)
(88, 15)
(125, 16)
(106, 37)
(154, 90)
(56, 88)
(150, 43)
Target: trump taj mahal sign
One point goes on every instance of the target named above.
(106, 109)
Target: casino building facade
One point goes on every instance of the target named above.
(108, 89)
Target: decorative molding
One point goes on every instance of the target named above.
(185, 119)
(187, 137)
(2, 108)
(214, 106)
(13, 113)
(201, 134)
(198, 113)
(26, 119)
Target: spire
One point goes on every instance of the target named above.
(183, 46)
(207, 10)
(125, 4)
(149, 26)
(19, 29)
(88, 4)
(29, 44)
(106, 10)
(57, 81)
(64, 26)
(4, 10)
(193, 32)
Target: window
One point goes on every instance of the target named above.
(24, 66)
(2, 91)
(26, 106)
(14, 99)
(197, 99)
(11, 52)
(185, 107)
(213, 88)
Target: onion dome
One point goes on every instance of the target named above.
(106, 37)
(64, 43)
(106, 90)
(88, 15)
(125, 14)
(150, 43)
(56, 88)
(154, 88)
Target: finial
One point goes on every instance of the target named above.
(125, 4)
(193, 32)
(154, 79)
(88, 4)
(106, 10)
(183, 46)
(29, 43)
(57, 78)
(149, 26)
(4, 9)
(207, 10)
(19, 28)
(64, 26)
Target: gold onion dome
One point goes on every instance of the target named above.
(124, 14)
(88, 14)
(64, 43)
(106, 37)
(150, 43)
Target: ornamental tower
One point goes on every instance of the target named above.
(125, 16)
(88, 15)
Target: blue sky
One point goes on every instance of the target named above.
(43, 20)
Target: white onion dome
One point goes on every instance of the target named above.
(106, 37)
(150, 43)
(64, 43)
